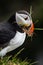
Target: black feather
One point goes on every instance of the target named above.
(8, 31)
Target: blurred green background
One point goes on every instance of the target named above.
(8, 7)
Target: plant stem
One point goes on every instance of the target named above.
(38, 29)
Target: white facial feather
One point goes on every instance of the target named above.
(20, 19)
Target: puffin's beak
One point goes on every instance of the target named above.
(30, 30)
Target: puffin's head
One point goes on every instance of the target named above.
(23, 19)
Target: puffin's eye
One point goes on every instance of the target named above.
(26, 18)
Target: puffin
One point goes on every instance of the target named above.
(13, 31)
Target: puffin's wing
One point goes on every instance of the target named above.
(5, 36)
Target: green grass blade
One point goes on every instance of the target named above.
(34, 63)
(38, 29)
(30, 10)
(18, 52)
(36, 21)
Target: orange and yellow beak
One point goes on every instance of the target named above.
(30, 30)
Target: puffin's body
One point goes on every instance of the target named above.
(11, 35)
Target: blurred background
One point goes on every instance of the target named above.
(34, 48)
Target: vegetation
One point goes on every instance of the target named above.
(9, 60)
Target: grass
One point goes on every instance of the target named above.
(38, 28)
(15, 61)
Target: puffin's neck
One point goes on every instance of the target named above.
(18, 28)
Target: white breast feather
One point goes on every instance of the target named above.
(17, 41)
